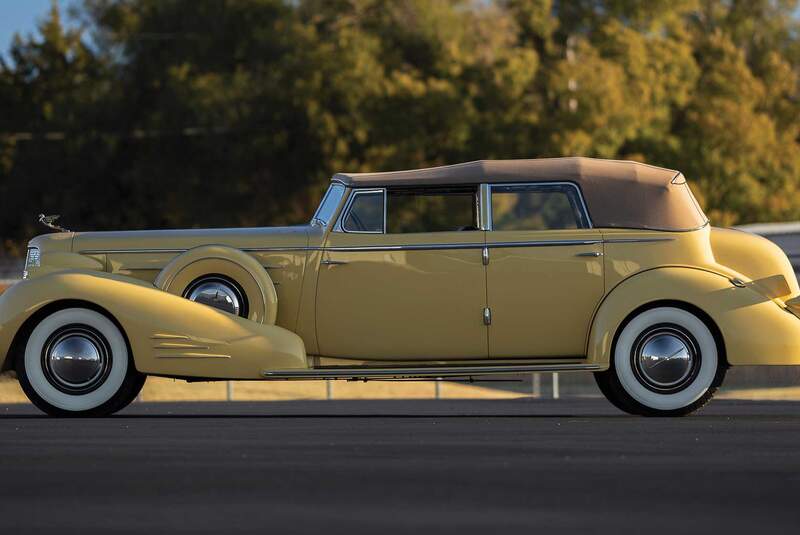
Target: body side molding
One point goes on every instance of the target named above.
(359, 373)
(409, 247)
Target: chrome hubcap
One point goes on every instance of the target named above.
(219, 293)
(665, 359)
(76, 359)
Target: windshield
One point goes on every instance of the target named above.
(328, 205)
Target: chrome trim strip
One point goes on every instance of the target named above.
(277, 249)
(485, 207)
(178, 251)
(645, 228)
(469, 245)
(541, 243)
(418, 247)
(423, 371)
(487, 199)
(636, 240)
(132, 251)
(409, 247)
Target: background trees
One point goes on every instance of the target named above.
(177, 113)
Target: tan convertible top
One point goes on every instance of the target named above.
(619, 194)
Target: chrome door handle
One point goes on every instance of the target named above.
(333, 262)
(593, 254)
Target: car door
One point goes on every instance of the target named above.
(401, 277)
(544, 270)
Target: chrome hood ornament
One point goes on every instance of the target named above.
(49, 221)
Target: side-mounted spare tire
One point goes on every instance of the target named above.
(224, 278)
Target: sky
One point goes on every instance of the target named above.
(21, 16)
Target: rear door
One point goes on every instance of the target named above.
(544, 271)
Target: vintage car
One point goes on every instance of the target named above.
(461, 271)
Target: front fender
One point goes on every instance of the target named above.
(234, 263)
(168, 335)
(754, 328)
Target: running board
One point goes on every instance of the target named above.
(365, 373)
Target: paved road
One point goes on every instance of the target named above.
(570, 466)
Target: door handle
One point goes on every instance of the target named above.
(327, 262)
(593, 254)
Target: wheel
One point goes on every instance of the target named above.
(665, 363)
(76, 363)
(220, 292)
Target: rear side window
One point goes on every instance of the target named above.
(537, 207)
(365, 212)
(431, 210)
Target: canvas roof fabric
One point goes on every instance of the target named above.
(618, 194)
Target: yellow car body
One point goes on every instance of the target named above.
(330, 303)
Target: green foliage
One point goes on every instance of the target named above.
(165, 113)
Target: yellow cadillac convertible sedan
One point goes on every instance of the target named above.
(481, 268)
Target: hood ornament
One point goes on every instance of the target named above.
(49, 221)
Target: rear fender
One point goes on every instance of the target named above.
(754, 328)
(168, 335)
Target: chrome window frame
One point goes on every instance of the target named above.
(479, 212)
(347, 207)
(322, 222)
(486, 197)
(485, 207)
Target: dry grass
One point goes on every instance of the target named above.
(10, 391)
(160, 389)
(786, 393)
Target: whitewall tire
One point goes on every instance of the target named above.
(76, 362)
(666, 362)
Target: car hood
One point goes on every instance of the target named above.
(180, 240)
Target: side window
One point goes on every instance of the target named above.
(537, 207)
(431, 210)
(365, 212)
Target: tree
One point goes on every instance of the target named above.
(167, 113)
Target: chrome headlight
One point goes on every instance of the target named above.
(32, 260)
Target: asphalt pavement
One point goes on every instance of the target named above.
(424, 466)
